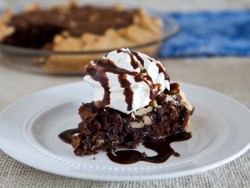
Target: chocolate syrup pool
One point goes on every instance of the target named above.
(161, 147)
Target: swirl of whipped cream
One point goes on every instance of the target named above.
(125, 80)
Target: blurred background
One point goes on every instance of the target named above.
(214, 38)
(176, 5)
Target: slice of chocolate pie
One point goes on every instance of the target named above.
(134, 103)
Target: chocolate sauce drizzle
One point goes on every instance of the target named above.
(161, 146)
(66, 136)
(128, 92)
(97, 71)
(162, 70)
(138, 57)
(99, 74)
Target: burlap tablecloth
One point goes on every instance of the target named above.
(230, 76)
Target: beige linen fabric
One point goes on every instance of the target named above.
(234, 174)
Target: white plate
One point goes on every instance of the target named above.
(29, 129)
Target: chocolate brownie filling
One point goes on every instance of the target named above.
(36, 29)
(106, 128)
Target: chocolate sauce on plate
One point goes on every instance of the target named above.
(161, 146)
(66, 136)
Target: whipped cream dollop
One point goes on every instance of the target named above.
(125, 80)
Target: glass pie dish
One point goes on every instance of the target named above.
(40, 60)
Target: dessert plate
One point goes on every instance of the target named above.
(29, 132)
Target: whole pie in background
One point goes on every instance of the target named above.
(73, 27)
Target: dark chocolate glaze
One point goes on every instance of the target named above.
(175, 88)
(128, 92)
(162, 147)
(99, 74)
(138, 57)
(66, 136)
(133, 62)
(162, 70)
(144, 77)
(97, 70)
